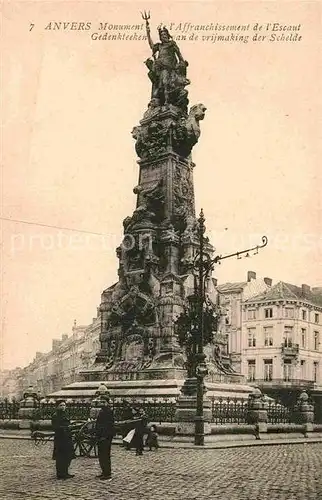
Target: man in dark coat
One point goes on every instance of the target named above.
(104, 429)
(63, 444)
(140, 430)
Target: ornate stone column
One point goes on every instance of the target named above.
(305, 412)
(257, 412)
(28, 407)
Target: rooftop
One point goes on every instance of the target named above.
(287, 291)
(231, 287)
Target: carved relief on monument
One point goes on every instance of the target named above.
(133, 348)
(137, 258)
(152, 197)
(139, 242)
(162, 133)
(135, 306)
(183, 199)
(151, 140)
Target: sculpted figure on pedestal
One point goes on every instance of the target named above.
(186, 132)
(167, 69)
(151, 140)
(196, 114)
(152, 196)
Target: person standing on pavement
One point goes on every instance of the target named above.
(63, 444)
(104, 429)
(152, 440)
(140, 430)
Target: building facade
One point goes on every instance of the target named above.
(48, 372)
(231, 298)
(281, 338)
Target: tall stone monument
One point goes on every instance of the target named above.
(139, 353)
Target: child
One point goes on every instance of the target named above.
(152, 438)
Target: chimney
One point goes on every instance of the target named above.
(251, 276)
(268, 281)
(64, 337)
(306, 289)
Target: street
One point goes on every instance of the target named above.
(282, 472)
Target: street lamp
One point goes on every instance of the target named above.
(195, 326)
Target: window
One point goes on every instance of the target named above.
(268, 336)
(251, 337)
(251, 314)
(303, 338)
(303, 369)
(268, 369)
(304, 314)
(289, 312)
(269, 313)
(316, 318)
(287, 370)
(316, 341)
(288, 336)
(315, 371)
(251, 370)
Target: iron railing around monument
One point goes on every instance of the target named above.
(234, 411)
(158, 411)
(223, 410)
(8, 409)
(228, 410)
(279, 414)
(76, 410)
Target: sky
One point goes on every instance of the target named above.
(69, 105)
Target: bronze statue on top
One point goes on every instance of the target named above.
(166, 125)
(167, 70)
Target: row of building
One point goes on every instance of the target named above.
(273, 333)
(50, 371)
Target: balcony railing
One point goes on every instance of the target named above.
(283, 382)
(289, 349)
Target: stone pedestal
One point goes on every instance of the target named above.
(305, 413)
(186, 407)
(305, 409)
(28, 408)
(257, 412)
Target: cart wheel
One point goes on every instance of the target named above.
(85, 441)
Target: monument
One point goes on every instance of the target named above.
(140, 354)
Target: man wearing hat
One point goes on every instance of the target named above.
(104, 430)
(63, 444)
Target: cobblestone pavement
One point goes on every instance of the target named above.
(282, 472)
